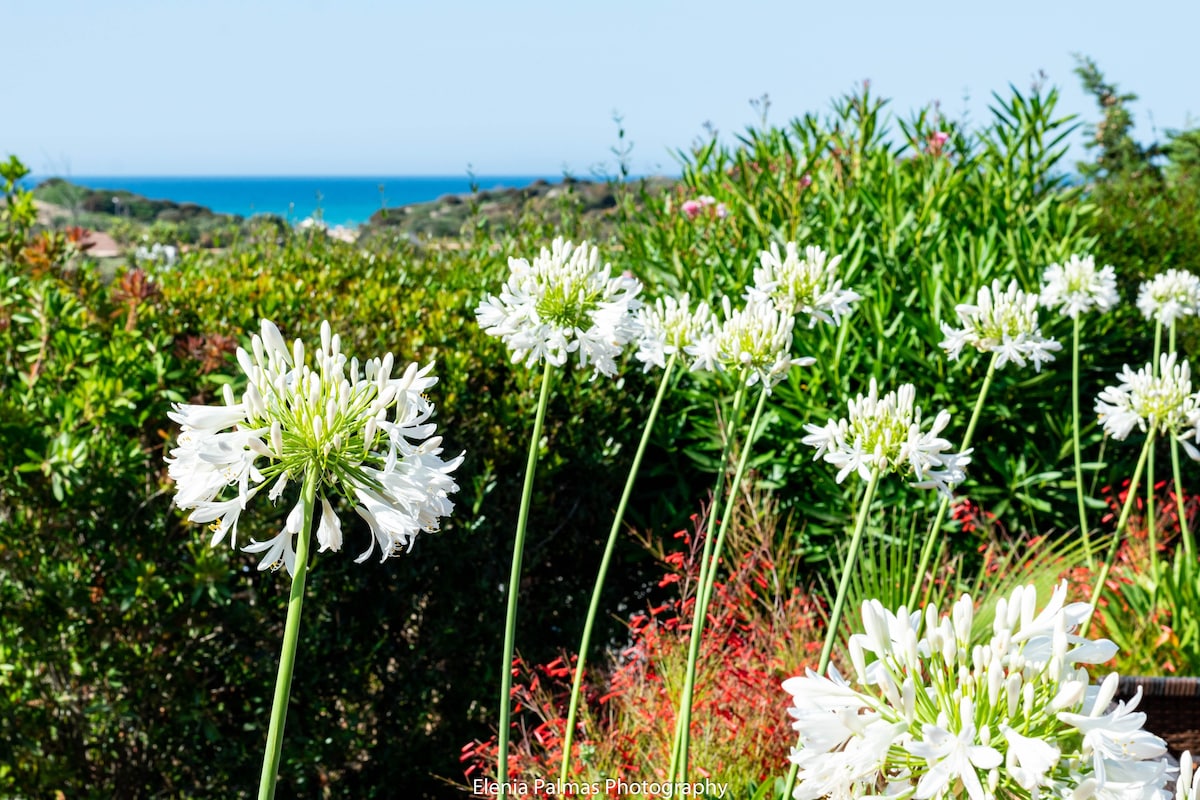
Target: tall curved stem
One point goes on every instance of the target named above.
(933, 536)
(605, 560)
(839, 603)
(705, 590)
(514, 583)
(1083, 524)
(1185, 533)
(685, 699)
(1151, 527)
(1111, 558)
(291, 638)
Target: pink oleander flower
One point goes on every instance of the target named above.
(694, 208)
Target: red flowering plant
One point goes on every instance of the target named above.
(761, 629)
(1152, 615)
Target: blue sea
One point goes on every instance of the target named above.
(339, 200)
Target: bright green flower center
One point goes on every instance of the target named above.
(566, 306)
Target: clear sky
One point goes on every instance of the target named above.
(386, 87)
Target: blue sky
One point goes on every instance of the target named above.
(378, 87)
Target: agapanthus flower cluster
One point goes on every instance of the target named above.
(357, 431)
(1162, 402)
(808, 285)
(756, 338)
(669, 327)
(935, 711)
(1169, 295)
(563, 303)
(1002, 321)
(885, 434)
(1077, 287)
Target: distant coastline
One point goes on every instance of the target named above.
(121, 219)
(348, 201)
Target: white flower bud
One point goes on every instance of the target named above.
(857, 658)
(995, 677)
(260, 355)
(1013, 687)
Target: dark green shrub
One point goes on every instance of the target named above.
(138, 662)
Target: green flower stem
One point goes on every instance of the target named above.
(705, 589)
(1083, 525)
(291, 636)
(710, 529)
(514, 582)
(839, 603)
(1151, 527)
(1111, 558)
(933, 537)
(1184, 531)
(605, 560)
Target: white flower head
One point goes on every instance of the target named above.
(670, 326)
(756, 338)
(1169, 295)
(1003, 321)
(808, 285)
(357, 431)
(945, 709)
(563, 303)
(887, 433)
(1162, 402)
(1077, 287)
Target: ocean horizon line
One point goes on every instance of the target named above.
(71, 178)
(334, 199)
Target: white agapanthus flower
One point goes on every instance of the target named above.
(1077, 287)
(886, 434)
(756, 338)
(1003, 321)
(1169, 295)
(669, 327)
(563, 303)
(808, 285)
(361, 432)
(1163, 402)
(935, 710)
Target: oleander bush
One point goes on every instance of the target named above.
(923, 213)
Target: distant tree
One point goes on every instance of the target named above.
(1119, 153)
(1183, 156)
(1146, 196)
